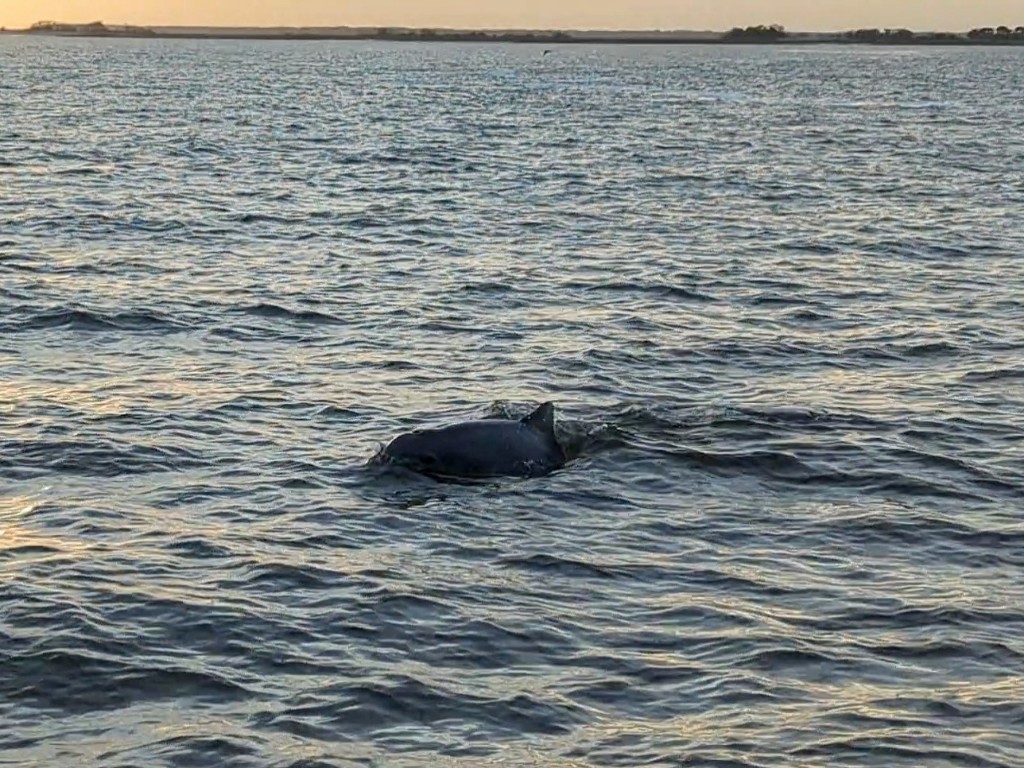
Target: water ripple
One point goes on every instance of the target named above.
(774, 292)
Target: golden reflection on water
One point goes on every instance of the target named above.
(874, 707)
(118, 392)
(24, 543)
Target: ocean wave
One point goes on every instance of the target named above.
(95, 457)
(878, 746)
(559, 566)
(372, 707)
(668, 291)
(278, 312)
(267, 218)
(778, 300)
(286, 576)
(77, 682)
(776, 464)
(809, 316)
(488, 288)
(994, 374)
(86, 320)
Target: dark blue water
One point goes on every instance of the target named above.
(777, 295)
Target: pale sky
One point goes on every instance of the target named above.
(821, 15)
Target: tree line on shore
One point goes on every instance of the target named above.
(97, 28)
(997, 33)
(776, 32)
(755, 34)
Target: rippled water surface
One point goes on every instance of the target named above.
(776, 295)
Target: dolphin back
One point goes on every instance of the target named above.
(486, 448)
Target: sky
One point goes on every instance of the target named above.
(810, 15)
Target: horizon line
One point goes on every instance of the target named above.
(567, 30)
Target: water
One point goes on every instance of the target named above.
(776, 294)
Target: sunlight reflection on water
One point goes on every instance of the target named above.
(774, 293)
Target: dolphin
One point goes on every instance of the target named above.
(481, 449)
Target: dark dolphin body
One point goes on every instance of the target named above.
(482, 449)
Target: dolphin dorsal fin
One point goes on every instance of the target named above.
(542, 420)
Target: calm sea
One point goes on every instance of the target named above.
(776, 294)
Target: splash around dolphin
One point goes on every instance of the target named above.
(482, 449)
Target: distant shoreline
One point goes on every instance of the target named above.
(988, 36)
